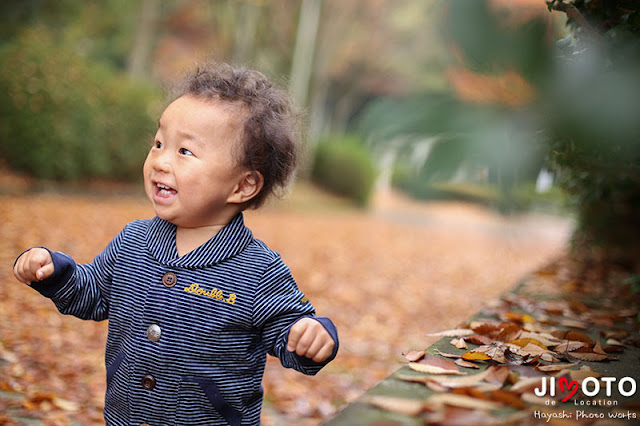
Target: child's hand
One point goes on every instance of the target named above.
(309, 338)
(33, 265)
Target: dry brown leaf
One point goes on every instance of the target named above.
(576, 335)
(405, 406)
(582, 373)
(446, 355)
(458, 332)
(413, 378)
(546, 339)
(426, 368)
(496, 375)
(509, 398)
(462, 363)
(615, 334)
(473, 380)
(548, 357)
(65, 404)
(572, 323)
(614, 342)
(588, 355)
(534, 350)
(477, 339)
(438, 400)
(569, 346)
(490, 329)
(414, 355)
(555, 367)
(461, 344)
(531, 398)
(509, 331)
(526, 385)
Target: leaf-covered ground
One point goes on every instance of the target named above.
(385, 276)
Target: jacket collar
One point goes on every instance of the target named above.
(229, 241)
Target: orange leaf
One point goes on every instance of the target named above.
(508, 398)
(525, 341)
(475, 356)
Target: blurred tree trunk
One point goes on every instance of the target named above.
(245, 31)
(304, 51)
(138, 63)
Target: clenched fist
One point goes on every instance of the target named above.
(310, 339)
(33, 265)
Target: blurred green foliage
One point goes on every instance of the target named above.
(344, 166)
(583, 119)
(65, 116)
(592, 116)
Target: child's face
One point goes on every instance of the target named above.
(190, 174)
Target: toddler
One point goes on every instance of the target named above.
(194, 301)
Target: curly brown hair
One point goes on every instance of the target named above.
(270, 136)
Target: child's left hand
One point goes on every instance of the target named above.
(310, 339)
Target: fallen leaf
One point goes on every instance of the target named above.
(432, 368)
(446, 355)
(509, 331)
(462, 363)
(475, 356)
(490, 329)
(405, 406)
(414, 355)
(531, 398)
(569, 346)
(546, 339)
(476, 380)
(496, 375)
(555, 367)
(523, 342)
(463, 401)
(461, 344)
(582, 325)
(597, 348)
(65, 404)
(582, 373)
(477, 339)
(509, 398)
(526, 385)
(520, 318)
(588, 355)
(458, 332)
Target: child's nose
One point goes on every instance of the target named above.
(162, 164)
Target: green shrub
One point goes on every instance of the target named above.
(64, 117)
(344, 166)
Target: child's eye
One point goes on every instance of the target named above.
(157, 144)
(185, 151)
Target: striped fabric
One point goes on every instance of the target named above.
(188, 336)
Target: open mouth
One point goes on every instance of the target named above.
(164, 191)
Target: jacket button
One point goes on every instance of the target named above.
(154, 332)
(144, 424)
(169, 279)
(148, 382)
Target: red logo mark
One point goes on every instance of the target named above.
(569, 386)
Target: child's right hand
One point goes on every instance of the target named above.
(33, 265)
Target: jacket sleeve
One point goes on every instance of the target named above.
(278, 305)
(82, 290)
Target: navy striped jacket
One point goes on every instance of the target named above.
(188, 336)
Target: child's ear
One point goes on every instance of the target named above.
(249, 185)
